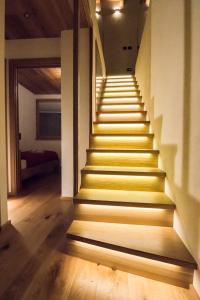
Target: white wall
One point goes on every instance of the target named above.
(67, 106)
(168, 71)
(120, 31)
(33, 48)
(27, 123)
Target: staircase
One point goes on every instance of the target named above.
(123, 218)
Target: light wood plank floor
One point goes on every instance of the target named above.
(34, 263)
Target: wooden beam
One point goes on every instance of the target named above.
(76, 30)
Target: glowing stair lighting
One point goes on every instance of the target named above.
(123, 218)
(122, 128)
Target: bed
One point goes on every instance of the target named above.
(37, 163)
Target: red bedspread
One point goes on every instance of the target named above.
(38, 158)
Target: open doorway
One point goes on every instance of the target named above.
(35, 123)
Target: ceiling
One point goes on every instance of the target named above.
(42, 81)
(39, 18)
(111, 4)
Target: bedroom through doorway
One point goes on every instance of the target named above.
(35, 125)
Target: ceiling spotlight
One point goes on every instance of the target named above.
(27, 15)
(117, 12)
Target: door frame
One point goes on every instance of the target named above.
(14, 65)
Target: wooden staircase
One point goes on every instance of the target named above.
(123, 218)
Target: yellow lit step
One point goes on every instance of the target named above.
(122, 116)
(122, 76)
(121, 107)
(136, 141)
(117, 260)
(121, 88)
(121, 127)
(124, 158)
(121, 94)
(124, 215)
(121, 178)
(121, 100)
(153, 242)
(124, 198)
(121, 84)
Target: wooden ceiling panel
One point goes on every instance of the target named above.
(44, 81)
(39, 18)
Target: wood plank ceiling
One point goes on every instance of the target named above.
(39, 18)
(42, 81)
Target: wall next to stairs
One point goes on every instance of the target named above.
(168, 71)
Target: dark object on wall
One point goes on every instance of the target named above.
(130, 47)
(48, 119)
(124, 48)
(129, 69)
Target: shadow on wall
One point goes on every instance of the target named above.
(188, 206)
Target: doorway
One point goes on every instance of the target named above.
(34, 105)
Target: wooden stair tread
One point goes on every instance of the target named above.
(121, 122)
(121, 96)
(122, 112)
(123, 104)
(122, 151)
(123, 171)
(163, 242)
(124, 135)
(124, 198)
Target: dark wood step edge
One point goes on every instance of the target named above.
(170, 260)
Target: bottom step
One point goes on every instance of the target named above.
(116, 260)
(130, 247)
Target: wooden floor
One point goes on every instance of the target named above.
(34, 264)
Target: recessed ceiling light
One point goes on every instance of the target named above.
(117, 12)
(27, 15)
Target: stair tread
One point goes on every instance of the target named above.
(123, 104)
(122, 112)
(121, 122)
(121, 96)
(123, 150)
(123, 170)
(129, 198)
(124, 135)
(163, 242)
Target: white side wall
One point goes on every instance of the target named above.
(33, 48)
(168, 72)
(27, 123)
(67, 106)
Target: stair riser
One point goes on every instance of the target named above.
(137, 116)
(121, 94)
(123, 159)
(171, 274)
(122, 84)
(120, 108)
(121, 89)
(120, 143)
(134, 100)
(121, 182)
(124, 215)
(121, 128)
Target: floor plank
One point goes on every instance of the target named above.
(34, 264)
